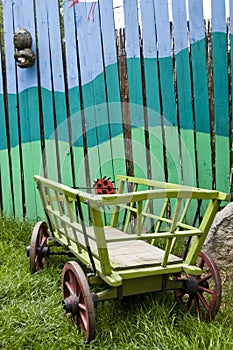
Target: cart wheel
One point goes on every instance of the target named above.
(77, 299)
(38, 247)
(201, 293)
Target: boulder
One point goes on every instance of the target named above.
(219, 242)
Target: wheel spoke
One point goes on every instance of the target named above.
(207, 290)
(201, 263)
(82, 307)
(69, 287)
(205, 278)
(43, 240)
(204, 302)
(83, 320)
(197, 305)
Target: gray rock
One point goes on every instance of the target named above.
(219, 242)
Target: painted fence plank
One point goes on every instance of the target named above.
(152, 89)
(221, 107)
(61, 130)
(135, 88)
(6, 200)
(74, 95)
(49, 165)
(167, 91)
(112, 87)
(93, 90)
(23, 16)
(12, 108)
(184, 92)
(231, 60)
(200, 93)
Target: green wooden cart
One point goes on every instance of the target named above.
(146, 237)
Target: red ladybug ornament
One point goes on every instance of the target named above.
(104, 186)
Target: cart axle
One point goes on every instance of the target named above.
(45, 251)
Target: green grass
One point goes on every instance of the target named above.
(31, 315)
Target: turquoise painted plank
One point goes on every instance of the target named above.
(184, 92)
(12, 108)
(59, 98)
(221, 95)
(200, 91)
(112, 86)
(231, 43)
(93, 89)
(168, 107)
(23, 16)
(152, 88)
(135, 89)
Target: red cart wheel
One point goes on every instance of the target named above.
(201, 293)
(77, 299)
(38, 247)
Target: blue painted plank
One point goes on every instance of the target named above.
(218, 16)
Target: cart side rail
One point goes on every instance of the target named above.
(154, 214)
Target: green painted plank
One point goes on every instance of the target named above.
(170, 120)
(112, 86)
(151, 76)
(6, 190)
(15, 155)
(221, 111)
(31, 160)
(186, 118)
(202, 117)
(134, 74)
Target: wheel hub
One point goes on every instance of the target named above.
(190, 285)
(43, 251)
(71, 304)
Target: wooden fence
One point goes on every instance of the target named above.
(153, 99)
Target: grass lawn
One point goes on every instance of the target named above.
(31, 315)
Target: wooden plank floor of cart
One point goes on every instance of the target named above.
(124, 254)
